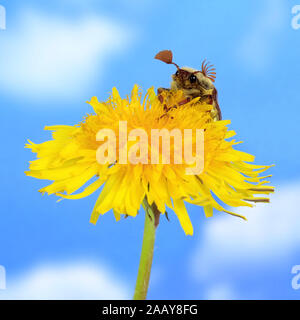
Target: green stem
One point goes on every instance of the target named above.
(151, 222)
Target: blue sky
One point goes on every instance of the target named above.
(55, 56)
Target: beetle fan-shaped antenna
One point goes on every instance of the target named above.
(208, 70)
(166, 56)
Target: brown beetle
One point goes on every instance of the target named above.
(194, 83)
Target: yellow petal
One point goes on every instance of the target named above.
(208, 210)
(183, 217)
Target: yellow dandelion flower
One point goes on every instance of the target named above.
(70, 159)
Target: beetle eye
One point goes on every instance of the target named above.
(176, 73)
(193, 79)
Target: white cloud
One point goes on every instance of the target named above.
(220, 292)
(230, 246)
(49, 56)
(67, 281)
(261, 41)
